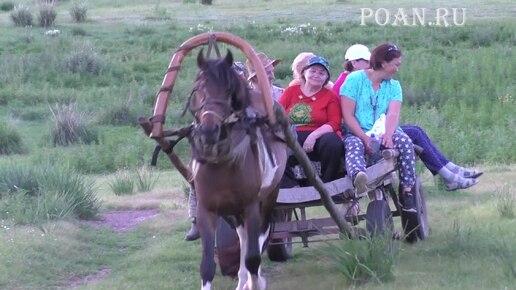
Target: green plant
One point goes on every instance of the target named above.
(7, 6)
(147, 178)
(10, 140)
(506, 203)
(21, 15)
(122, 183)
(363, 260)
(47, 14)
(79, 11)
(69, 126)
(119, 115)
(84, 59)
(34, 195)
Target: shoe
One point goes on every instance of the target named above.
(408, 202)
(466, 183)
(360, 182)
(193, 234)
(472, 173)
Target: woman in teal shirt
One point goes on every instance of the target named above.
(365, 96)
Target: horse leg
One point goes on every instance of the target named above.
(206, 224)
(253, 254)
(242, 271)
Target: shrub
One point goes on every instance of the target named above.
(122, 183)
(506, 202)
(21, 15)
(206, 2)
(6, 6)
(84, 60)
(10, 140)
(146, 178)
(47, 14)
(79, 11)
(364, 260)
(119, 115)
(35, 195)
(69, 127)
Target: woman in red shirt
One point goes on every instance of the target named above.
(316, 113)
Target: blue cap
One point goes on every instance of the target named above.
(320, 61)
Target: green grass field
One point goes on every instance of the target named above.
(458, 81)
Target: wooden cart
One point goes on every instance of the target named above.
(293, 225)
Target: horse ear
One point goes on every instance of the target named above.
(229, 58)
(200, 59)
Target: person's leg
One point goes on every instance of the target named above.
(433, 159)
(193, 233)
(329, 149)
(355, 162)
(407, 165)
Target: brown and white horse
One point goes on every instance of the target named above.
(237, 166)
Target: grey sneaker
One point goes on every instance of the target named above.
(408, 203)
(360, 182)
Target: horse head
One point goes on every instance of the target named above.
(220, 96)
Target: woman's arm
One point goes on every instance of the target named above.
(391, 122)
(348, 113)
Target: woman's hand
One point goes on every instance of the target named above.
(367, 144)
(386, 141)
(309, 143)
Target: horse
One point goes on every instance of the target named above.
(237, 164)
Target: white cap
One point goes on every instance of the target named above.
(357, 51)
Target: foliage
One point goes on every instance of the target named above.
(369, 259)
(206, 2)
(122, 183)
(10, 140)
(69, 126)
(6, 6)
(146, 178)
(506, 202)
(21, 15)
(79, 11)
(47, 14)
(34, 195)
(84, 59)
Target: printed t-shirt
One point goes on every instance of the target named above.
(310, 113)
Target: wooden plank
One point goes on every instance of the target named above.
(377, 174)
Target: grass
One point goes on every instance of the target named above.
(458, 85)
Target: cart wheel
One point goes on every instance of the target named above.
(379, 217)
(416, 224)
(280, 250)
(228, 248)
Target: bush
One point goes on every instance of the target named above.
(122, 183)
(84, 60)
(7, 6)
(146, 178)
(47, 15)
(206, 2)
(69, 127)
(10, 141)
(34, 195)
(79, 11)
(364, 260)
(21, 16)
(119, 115)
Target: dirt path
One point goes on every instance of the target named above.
(121, 222)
